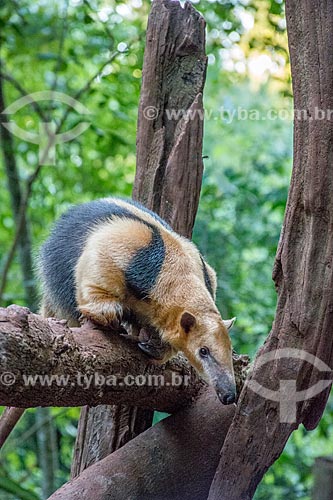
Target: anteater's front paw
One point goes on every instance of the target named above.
(152, 351)
(106, 315)
(154, 347)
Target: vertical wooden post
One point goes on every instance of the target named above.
(168, 176)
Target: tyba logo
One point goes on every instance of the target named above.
(47, 136)
(287, 394)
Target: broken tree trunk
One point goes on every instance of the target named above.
(303, 271)
(168, 175)
(176, 459)
(170, 125)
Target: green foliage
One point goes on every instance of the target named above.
(242, 205)
(13, 488)
(102, 160)
(63, 45)
(19, 463)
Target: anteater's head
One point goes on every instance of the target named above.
(206, 344)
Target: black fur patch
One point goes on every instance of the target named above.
(60, 253)
(208, 283)
(144, 209)
(143, 270)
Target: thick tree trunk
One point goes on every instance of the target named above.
(104, 429)
(303, 271)
(168, 176)
(174, 460)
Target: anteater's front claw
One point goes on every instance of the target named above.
(152, 350)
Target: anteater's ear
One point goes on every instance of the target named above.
(187, 322)
(228, 323)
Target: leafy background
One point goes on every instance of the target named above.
(62, 45)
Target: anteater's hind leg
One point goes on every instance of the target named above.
(47, 310)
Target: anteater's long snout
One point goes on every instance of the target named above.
(228, 398)
(225, 387)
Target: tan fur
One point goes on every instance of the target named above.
(101, 291)
(99, 272)
(213, 279)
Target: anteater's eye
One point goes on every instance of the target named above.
(204, 352)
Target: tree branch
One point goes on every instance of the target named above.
(16, 84)
(8, 420)
(170, 124)
(35, 347)
(175, 459)
(31, 345)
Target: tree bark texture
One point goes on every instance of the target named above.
(168, 175)
(303, 271)
(175, 459)
(37, 347)
(31, 345)
(169, 149)
(8, 420)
